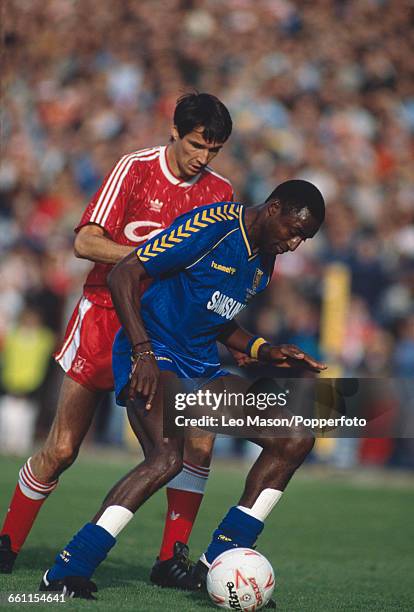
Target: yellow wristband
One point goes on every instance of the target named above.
(254, 349)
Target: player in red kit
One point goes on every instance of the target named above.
(142, 195)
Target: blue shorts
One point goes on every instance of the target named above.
(185, 367)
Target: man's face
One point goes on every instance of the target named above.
(284, 232)
(193, 152)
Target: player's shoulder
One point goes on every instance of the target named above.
(140, 157)
(215, 178)
(220, 211)
(213, 219)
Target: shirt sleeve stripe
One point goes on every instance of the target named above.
(114, 182)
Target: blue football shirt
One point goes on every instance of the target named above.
(205, 273)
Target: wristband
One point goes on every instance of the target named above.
(253, 346)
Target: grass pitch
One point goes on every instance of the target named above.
(336, 542)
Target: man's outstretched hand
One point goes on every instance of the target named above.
(290, 356)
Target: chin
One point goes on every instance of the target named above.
(190, 172)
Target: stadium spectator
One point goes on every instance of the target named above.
(24, 364)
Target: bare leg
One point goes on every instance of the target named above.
(163, 456)
(199, 450)
(279, 458)
(275, 466)
(38, 477)
(184, 496)
(73, 418)
(163, 459)
(265, 482)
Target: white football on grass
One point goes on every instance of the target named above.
(241, 579)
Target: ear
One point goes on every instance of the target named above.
(174, 133)
(274, 207)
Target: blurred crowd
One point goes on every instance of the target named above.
(321, 90)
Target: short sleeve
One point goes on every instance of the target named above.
(108, 206)
(229, 195)
(188, 238)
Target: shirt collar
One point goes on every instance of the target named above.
(244, 232)
(170, 176)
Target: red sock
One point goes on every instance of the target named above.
(183, 503)
(26, 502)
(20, 518)
(182, 511)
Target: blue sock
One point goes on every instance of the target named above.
(237, 529)
(83, 554)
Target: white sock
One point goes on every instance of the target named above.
(263, 505)
(114, 519)
(192, 478)
(31, 486)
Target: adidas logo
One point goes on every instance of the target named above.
(174, 515)
(156, 205)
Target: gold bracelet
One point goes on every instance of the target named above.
(138, 356)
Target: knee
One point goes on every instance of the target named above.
(297, 449)
(168, 462)
(175, 465)
(198, 450)
(59, 456)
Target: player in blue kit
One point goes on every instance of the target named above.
(184, 313)
(205, 267)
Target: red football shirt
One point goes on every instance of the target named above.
(138, 199)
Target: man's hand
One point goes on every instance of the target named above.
(242, 359)
(144, 378)
(290, 356)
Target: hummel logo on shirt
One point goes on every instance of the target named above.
(226, 269)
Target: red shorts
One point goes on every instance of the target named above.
(86, 350)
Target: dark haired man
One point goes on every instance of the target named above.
(205, 268)
(143, 194)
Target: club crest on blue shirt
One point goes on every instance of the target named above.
(258, 275)
(65, 556)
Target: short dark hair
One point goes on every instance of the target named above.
(195, 110)
(297, 194)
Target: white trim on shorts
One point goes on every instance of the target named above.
(70, 348)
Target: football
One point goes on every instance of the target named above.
(241, 579)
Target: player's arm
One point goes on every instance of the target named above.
(240, 357)
(282, 356)
(124, 283)
(92, 243)
(170, 251)
(106, 213)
